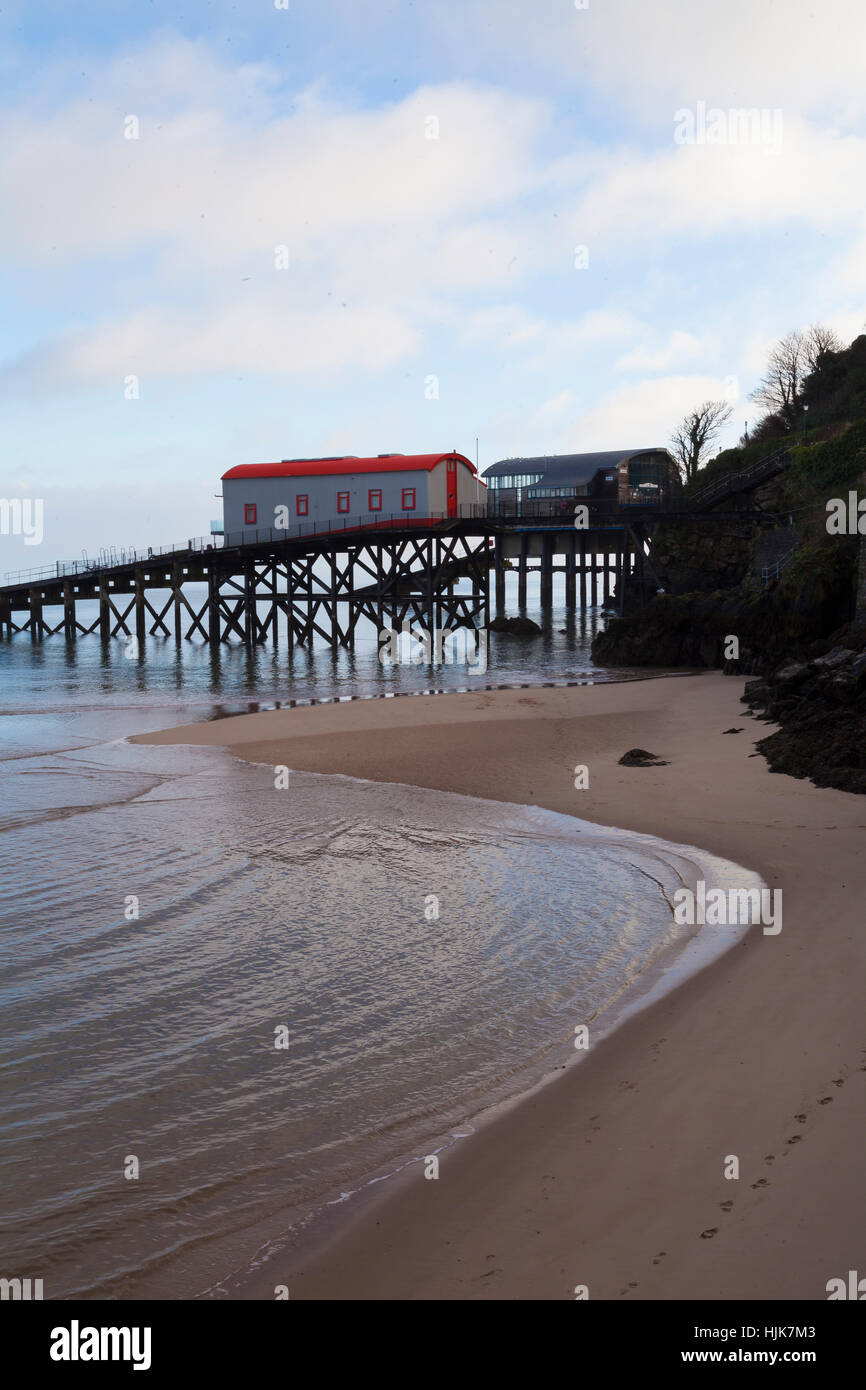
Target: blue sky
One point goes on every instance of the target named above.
(409, 257)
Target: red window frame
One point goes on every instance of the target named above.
(408, 499)
(343, 501)
(251, 513)
(374, 499)
(302, 504)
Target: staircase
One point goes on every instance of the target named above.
(745, 480)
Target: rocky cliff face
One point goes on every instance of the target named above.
(804, 634)
(703, 554)
(813, 598)
(821, 706)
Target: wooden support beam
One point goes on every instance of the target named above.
(249, 602)
(70, 627)
(499, 575)
(37, 624)
(213, 606)
(140, 612)
(176, 583)
(104, 610)
(546, 571)
(570, 564)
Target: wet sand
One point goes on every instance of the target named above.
(614, 1176)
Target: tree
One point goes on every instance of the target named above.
(779, 390)
(820, 341)
(691, 440)
(792, 359)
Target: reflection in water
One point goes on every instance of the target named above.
(165, 911)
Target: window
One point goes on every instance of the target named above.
(408, 503)
(374, 499)
(250, 513)
(302, 504)
(510, 480)
(342, 501)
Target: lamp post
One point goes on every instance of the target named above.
(805, 416)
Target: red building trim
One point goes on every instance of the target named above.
(311, 468)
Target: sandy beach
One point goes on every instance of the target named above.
(614, 1176)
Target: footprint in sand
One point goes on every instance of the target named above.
(659, 1257)
(840, 1081)
(768, 1158)
(801, 1119)
(825, 1100)
(795, 1139)
(726, 1206)
(762, 1182)
(709, 1233)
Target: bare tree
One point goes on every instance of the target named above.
(779, 391)
(820, 340)
(691, 440)
(789, 363)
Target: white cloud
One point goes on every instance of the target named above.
(640, 414)
(798, 55)
(701, 189)
(656, 356)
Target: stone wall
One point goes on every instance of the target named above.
(702, 555)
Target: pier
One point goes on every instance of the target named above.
(303, 582)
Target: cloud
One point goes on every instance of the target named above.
(705, 190)
(639, 415)
(799, 56)
(677, 347)
(259, 336)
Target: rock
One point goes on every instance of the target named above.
(732, 731)
(515, 627)
(755, 690)
(838, 657)
(842, 689)
(639, 757)
(793, 674)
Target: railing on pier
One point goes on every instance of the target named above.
(603, 512)
(116, 558)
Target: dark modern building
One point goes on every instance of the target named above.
(631, 477)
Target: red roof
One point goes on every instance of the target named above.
(311, 468)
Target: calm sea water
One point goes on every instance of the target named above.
(167, 917)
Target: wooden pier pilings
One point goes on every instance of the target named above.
(432, 578)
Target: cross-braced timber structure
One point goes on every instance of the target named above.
(387, 571)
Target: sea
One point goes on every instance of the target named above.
(227, 1011)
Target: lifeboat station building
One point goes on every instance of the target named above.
(302, 496)
(628, 477)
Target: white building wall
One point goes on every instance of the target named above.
(267, 494)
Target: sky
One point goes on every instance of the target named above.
(286, 228)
